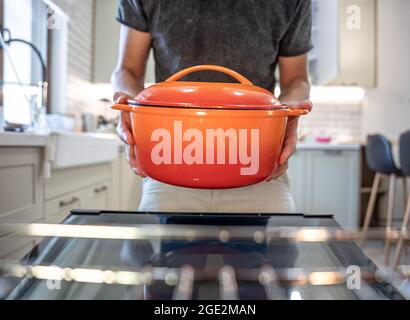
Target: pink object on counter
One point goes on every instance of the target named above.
(324, 139)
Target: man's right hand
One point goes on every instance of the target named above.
(124, 130)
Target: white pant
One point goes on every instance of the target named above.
(264, 197)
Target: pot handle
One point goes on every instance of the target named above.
(122, 107)
(297, 112)
(208, 67)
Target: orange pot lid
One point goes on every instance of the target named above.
(207, 95)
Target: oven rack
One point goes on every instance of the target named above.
(183, 279)
(194, 232)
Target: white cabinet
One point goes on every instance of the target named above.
(327, 182)
(357, 43)
(21, 196)
(106, 186)
(344, 39)
(21, 184)
(86, 187)
(26, 196)
(323, 59)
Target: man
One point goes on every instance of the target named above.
(250, 37)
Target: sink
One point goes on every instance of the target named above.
(70, 149)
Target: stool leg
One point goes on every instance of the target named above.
(370, 207)
(390, 210)
(399, 249)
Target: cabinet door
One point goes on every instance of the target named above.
(22, 185)
(357, 43)
(297, 179)
(56, 210)
(324, 57)
(333, 185)
(97, 196)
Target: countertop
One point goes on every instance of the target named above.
(66, 149)
(329, 146)
(13, 139)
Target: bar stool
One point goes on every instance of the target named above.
(379, 158)
(405, 168)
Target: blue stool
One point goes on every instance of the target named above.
(405, 167)
(379, 158)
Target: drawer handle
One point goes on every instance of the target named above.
(333, 152)
(101, 189)
(69, 202)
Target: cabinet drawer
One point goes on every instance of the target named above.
(56, 210)
(97, 196)
(70, 180)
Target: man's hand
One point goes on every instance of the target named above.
(124, 130)
(291, 137)
(128, 76)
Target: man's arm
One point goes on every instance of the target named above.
(295, 88)
(128, 80)
(294, 81)
(128, 76)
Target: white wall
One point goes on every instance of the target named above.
(80, 56)
(387, 107)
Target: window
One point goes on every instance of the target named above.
(20, 68)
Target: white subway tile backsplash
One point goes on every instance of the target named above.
(336, 119)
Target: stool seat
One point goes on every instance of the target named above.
(379, 155)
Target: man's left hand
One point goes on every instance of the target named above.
(291, 137)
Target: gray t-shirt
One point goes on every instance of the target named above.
(247, 36)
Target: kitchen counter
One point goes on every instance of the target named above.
(66, 149)
(16, 139)
(329, 146)
(9, 139)
(13, 139)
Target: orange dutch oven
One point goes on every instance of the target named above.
(208, 135)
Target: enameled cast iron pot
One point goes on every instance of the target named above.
(208, 135)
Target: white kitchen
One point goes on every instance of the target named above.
(61, 158)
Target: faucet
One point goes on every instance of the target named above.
(7, 40)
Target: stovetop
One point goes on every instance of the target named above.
(138, 255)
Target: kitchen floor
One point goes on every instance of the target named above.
(375, 251)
